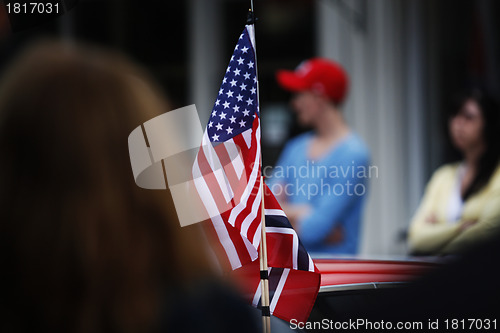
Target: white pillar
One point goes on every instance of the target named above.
(205, 67)
(415, 103)
(376, 107)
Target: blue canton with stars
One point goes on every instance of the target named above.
(236, 104)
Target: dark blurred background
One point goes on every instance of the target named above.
(404, 58)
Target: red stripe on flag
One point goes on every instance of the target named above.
(235, 235)
(228, 166)
(247, 209)
(298, 295)
(279, 249)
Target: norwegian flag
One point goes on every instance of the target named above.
(294, 280)
(227, 176)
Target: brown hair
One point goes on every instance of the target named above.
(84, 249)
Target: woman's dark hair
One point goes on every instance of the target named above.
(490, 110)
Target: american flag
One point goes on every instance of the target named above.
(227, 169)
(227, 176)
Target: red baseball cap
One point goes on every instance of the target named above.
(317, 74)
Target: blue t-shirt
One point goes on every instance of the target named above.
(334, 185)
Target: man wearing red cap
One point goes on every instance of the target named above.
(320, 178)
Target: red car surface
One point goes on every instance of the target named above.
(341, 273)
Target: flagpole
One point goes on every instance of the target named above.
(264, 275)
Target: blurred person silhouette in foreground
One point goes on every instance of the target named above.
(460, 206)
(83, 249)
(321, 176)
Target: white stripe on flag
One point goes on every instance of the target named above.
(210, 154)
(226, 242)
(247, 136)
(216, 167)
(224, 186)
(204, 193)
(279, 289)
(250, 217)
(238, 166)
(256, 296)
(257, 236)
(235, 157)
(248, 190)
(251, 34)
(252, 251)
(217, 221)
(311, 264)
(276, 212)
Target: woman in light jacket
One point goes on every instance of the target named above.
(461, 204)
